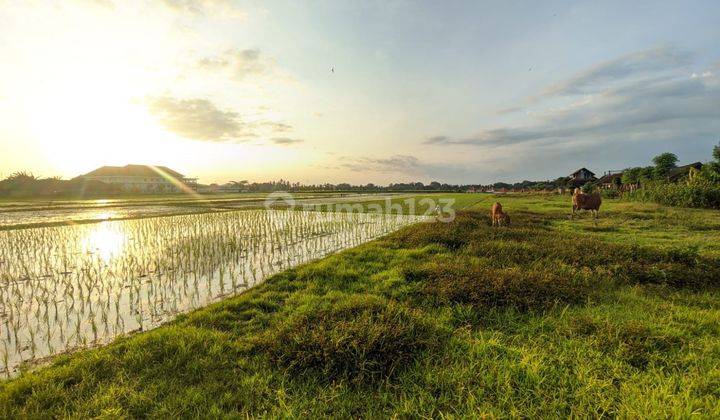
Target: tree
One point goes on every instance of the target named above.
(561, 182)
(714, 165)
(647, 174)
(588, 188)
(631, 175)
(664, 163)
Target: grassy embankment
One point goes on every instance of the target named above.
(547, 317)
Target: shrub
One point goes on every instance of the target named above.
(610, 193)
(589, 188)
(699, 193)
(359, 338)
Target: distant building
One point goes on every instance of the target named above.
(142, 178)
(676, 173)
(611, 179)
(582, 175)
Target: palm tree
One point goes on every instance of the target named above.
(240, 184)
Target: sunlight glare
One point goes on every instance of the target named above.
(106, 240)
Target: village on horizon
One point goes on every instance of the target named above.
(161, 179)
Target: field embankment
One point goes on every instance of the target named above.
(546, 317)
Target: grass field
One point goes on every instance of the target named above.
(548, 317)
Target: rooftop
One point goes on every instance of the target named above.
(583, 169)
(682, 170)
(135, 170)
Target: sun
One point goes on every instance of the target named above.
(96, 124)
(82, 96)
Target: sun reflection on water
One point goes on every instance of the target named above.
(105, 215)
(106, 240)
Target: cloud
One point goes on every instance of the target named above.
(634, 98)
(396, 163)
(509, 110)
(405, 167)
(99, 3)
(277, 127)
(285, 141)
(197, 119)
(241, 64)
(225, 8)
(660, 59)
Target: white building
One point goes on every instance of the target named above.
(143, 178)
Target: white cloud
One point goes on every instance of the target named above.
(637, 64)
(225, 8)
(641, 96)
(197, 119)
(285, 141)
(242, 64)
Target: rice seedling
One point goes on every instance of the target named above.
(67, 287)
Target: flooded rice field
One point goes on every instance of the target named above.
(34, 214)
(54, 216)
(69, 287)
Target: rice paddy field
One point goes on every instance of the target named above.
(68, 287)
(24, 214)
(281, 313)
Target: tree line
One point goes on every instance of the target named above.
(24, 184)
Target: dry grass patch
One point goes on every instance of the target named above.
(461, 280)
(357, 338)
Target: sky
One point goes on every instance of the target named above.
(361, 92)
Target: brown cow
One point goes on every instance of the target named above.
(498, 216)
(582, 201)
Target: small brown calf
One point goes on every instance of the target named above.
(498, 216)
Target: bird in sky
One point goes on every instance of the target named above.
(332, 69)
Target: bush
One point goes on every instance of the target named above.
(699, 193)
(588, 188)
(610, 193)
(359, 338)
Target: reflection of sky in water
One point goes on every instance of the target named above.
(61, 215)
(50, 216)
(106, 215)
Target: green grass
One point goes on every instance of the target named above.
(548, 317)
(644, 224)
